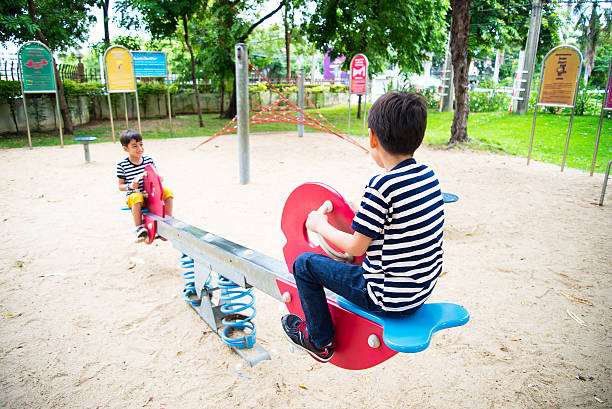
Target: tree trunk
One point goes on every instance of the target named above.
(68, 126)
(460, 34)
(287, 44)
(193, 74)
(231, 109)
(222, 99)
(105, 4)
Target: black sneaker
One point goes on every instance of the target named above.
(296, 332)
(141, 234)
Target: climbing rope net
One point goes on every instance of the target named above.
(282, 110)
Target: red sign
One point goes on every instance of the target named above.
(359, 74)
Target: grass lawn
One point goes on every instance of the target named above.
(493, 131)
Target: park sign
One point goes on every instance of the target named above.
(359, 74)
(37, 70)
(558, 87)
(119, 69)
(149, 64)
(560, 76)
(609, 99)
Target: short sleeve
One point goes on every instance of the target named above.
(120, 172)
(370, 219)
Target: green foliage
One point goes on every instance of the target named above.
(91, 89)
(379, 31)
(62, 23)
(9, 89)
(488, 101)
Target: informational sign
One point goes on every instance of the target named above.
(560, 76)
(119, 70)
(331, 69)
(359, 74)
(37, 68)
(149, 64)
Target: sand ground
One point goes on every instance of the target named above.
(89, 319)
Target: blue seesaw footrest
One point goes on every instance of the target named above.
(413, 333)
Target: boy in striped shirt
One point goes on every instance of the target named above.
(398, 225)
(129, 173)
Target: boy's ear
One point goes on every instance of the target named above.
(373, 139)
(125, 148)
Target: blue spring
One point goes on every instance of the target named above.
(239, 314)
(189, 289)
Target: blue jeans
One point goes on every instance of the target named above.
(313, 272)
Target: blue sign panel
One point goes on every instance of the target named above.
(149, 64)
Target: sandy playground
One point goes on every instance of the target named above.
(89, 319)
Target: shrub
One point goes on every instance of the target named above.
(488, 102)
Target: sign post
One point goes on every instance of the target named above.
(119, 69)
(153, 64)
(37, 68)
(605, 106)
(358, 85)
(559, 86)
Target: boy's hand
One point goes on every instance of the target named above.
(315, 220)
(133, 185)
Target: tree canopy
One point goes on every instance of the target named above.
(378, 30)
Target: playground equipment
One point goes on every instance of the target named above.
(363, 339)
(86, 140)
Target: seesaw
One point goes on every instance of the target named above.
(363, 340)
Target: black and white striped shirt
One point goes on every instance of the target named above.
(127, 171)
(401, 211)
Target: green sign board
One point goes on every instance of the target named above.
(36, 68)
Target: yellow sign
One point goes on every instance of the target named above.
(561, 70)
(119, 70)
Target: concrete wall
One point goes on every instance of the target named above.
(42, 111)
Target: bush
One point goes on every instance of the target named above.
(9, 89)
(488, 102)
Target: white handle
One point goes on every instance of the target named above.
(328, 207)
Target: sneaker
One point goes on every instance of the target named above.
(296, 331)
(141, 234)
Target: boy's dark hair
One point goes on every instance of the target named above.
(128, 135)
(399, 120)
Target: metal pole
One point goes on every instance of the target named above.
(300, 115)
(349, 113)
(242, 108)
(605, 183)
(169, 109)
(25, 111)
(531, 49)
(535, 113)
(603, 108)
(138, 112)
(569, 131)
(110, 112)
(59, 120)
(127, 124)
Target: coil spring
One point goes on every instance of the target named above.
(239, 315)
(189, 289)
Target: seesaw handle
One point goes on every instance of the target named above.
(328, 207)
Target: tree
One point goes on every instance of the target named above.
(459, 38)
(380, 31)
(161, 18)
(56, 23)
(476, 31)
(593, 33)
(226, 24)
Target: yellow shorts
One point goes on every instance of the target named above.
(137, 197)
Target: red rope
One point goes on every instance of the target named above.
(274, 113)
